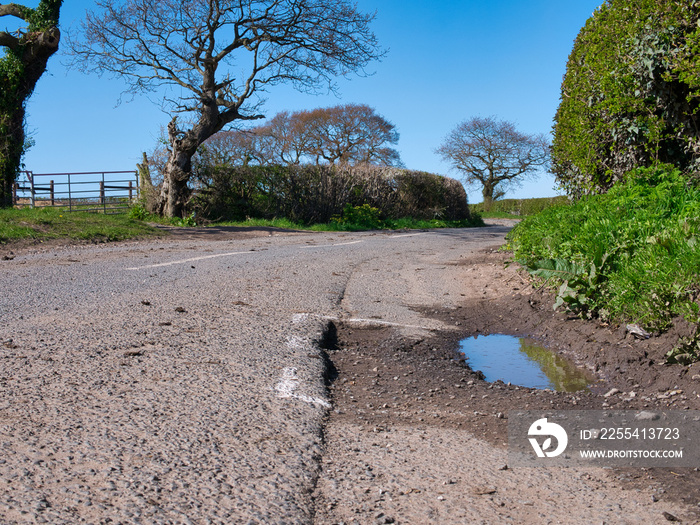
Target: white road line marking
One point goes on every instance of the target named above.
(407, 235)
(331, 245)
(376, 322)
(193, 259)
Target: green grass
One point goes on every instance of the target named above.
(56, 223)
(631, 255)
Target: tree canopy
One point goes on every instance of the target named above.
(26, 53)
(494, 155)
(219, 58)
(630, 94)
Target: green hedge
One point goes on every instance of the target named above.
(315, 194)
(519, 207)
(630, 96)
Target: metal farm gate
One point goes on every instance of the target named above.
(100, 191)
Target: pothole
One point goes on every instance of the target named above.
(522, 361)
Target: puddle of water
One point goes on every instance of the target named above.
(522, 361)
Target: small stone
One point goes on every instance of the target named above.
(482, 491)
(611, 392)
(669, 516)
(645, 415)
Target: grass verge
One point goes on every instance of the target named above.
(55, 223)
(631, 255)
(398, 224)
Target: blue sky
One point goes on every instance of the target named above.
(447, 61)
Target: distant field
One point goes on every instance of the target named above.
(507, 208)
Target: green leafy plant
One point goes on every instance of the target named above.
(188, 221)
(138, 212)
(628, 255)
(686, 352)
(365, 216)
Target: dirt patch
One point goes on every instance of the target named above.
(386, 381)
(221, 233)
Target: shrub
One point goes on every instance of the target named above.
(314, 194)
(520, 207)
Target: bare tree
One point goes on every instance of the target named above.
(349, 134)
(494, 154)
(286, 138)
(221, 55)
(27, 52)
(353, 134)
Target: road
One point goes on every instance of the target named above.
(180, 381)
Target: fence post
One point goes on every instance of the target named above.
(102, 193)
(131, 191)
(70, 196)
(52, 194)
(14, 193)
(31, 189)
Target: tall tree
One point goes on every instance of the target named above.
(352, 134)
(221, 55)
(494, 154)
(27, 52)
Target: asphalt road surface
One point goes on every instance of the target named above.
(181, 380)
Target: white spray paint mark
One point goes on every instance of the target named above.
(288, 384)
(193, 259)
(374, 322)
(299, 318)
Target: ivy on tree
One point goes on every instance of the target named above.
(27, 52)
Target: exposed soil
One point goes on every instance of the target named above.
(387, 381)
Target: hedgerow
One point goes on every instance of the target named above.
(630, 95)
(309, 194)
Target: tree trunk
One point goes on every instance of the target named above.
(174, 193)
(11, 150)
(487, 193)
(20, 70)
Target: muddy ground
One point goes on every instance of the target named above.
(383, 381)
